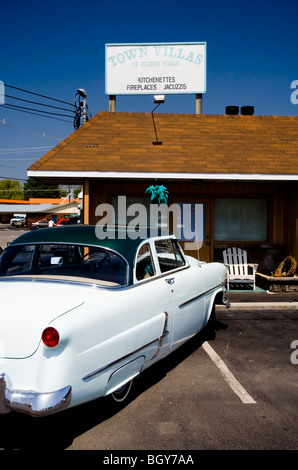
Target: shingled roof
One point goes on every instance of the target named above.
(177, 145)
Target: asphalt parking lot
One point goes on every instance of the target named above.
(8, 234)
(186, 403)
(236, 392)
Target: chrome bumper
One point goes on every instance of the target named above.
(33, 403)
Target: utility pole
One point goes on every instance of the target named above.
(81, 108)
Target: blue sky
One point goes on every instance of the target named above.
(55, 47)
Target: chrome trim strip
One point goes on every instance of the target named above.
(101, 369)
(158, 276)
(200, 295)
(4, 409)
(111, 364)
(55, 280)
(165, 332)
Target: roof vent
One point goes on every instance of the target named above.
(232, 110)
(247, 110)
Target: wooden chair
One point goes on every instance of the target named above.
(238, 270)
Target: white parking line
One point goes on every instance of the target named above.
(228, 376)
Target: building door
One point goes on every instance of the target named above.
(200, 249)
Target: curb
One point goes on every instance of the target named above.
(260, 306)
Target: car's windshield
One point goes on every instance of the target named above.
(67, 260)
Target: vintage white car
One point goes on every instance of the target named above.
(95, 313)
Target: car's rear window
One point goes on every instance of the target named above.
(88, 262)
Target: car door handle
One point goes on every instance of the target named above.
(170, 280)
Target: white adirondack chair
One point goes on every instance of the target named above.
(238, 270)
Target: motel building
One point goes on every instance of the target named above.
(240, 168)
(243, 169)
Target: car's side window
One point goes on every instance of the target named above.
(178, 252)
(169, 255)
(144, 265)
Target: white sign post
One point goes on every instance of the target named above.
(165, 68)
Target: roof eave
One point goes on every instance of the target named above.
(81, 175)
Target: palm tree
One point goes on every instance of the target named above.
(159, 192)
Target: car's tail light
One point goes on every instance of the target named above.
(50, 337)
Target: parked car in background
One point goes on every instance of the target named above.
(112, 307)
(18, 221)
(69, 221)
(40, 224)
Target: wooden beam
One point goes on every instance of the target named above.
(86, 204)
(199, 106)
(112, 103)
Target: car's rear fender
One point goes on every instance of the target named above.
(100, 343)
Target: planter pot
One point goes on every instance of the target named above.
(277, 284)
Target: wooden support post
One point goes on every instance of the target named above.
(199, 103)
(86, 205)
(112, 103)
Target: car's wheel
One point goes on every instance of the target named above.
(122, 392)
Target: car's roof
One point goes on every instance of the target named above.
(122, 243)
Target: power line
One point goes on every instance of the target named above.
(34, 102)
(23, 159)
(24, 149)
(11, 167)
(35, 114)
(81, 113)
(27, 131)
(11, 178)
(39, 110)
(29, 190)
(38, 94)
